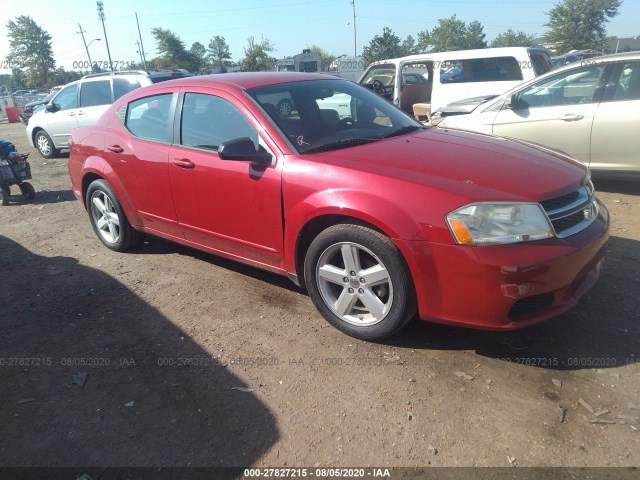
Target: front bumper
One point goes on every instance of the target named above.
(508, 286)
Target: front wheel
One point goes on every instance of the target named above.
(285, 108)
(45, 146)
(359, 281)
(108, 219)
(5, 195)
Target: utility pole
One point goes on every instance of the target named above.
(141, 54)
(81, 32)
(141, 47)
(101, 17)
(355, 43)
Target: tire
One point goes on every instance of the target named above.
(285, 107)
(44, 144)
(5, 195)
(108, 219)
(359, 281)
(27, 190)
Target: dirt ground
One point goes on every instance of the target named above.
(167, 356)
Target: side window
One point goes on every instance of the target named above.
(497, 69)
(67, 98)
(95, 93)
(628, 86)
(149, 117)
(568, 88)
(122, 86)
(208, 121)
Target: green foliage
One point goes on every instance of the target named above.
(383, 46)
(30, 50)
(199, 54)
(173, 54)
(452, 34)
(409, 46)
(257, 56)
(580, 24)
(325, 57)
(512, 38)
(60, 76)
(219, 54)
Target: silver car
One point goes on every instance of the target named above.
(81, 103)
(589, 109)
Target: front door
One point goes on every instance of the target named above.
(231, 207)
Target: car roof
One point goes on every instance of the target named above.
(458, 55)
(246, 80)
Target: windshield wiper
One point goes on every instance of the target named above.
(347, 142)
(402, 131)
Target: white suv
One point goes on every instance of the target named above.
(82, 102)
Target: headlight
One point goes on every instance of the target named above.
(499, 223)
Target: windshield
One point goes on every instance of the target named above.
(322, 115)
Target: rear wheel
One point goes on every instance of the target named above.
(359, 281)
(45, 146)
(27, 190)
(108, 219)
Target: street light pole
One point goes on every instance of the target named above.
(101, 17)
(355, 43)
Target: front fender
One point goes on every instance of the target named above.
(390, 219)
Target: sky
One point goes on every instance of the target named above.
(290, 25)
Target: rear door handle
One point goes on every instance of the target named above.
(115, 148)
(571, 117)
(183, 163)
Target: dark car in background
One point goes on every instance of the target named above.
(31, 107)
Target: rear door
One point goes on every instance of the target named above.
(95, 98)
(557, 111)
(231, 207)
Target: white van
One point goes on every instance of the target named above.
(421, 83)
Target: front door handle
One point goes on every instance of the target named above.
(183, 163)
(115, 148)
(571, 117)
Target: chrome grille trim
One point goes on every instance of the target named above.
(585, 202)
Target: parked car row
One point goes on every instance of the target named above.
(589, 109)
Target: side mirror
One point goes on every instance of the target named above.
(52, 107)
(243, 149)
(515, 102)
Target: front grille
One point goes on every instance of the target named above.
(573, 212)
(559, 202)
(529, 305)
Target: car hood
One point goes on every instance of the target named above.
(467, 105)
(477, 166)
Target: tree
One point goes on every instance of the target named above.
(326, 58)
(199, 55)
(30, 49)
(580, 24)
(512, 38)
(219, 54)
(382, 46)
(452, 34)
(475, 37)
(409, 46)
(173, 54)
(256, 56)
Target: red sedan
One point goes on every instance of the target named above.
(376, 216)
